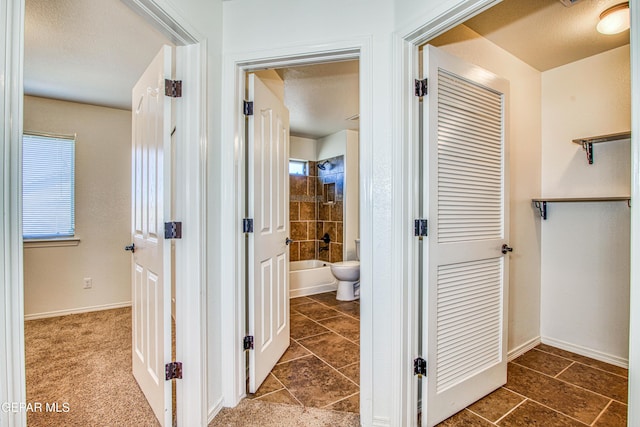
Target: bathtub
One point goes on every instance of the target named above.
(310, 277)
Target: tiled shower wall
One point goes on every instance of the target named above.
(316, 208)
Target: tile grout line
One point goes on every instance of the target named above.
(554, 410)
(273, 391)
(567, 382)
(286, 388)
(331, 366)
(329, 329)
(338, 333)
(512, 409)
(340, 400)
(296, 358)
(341, 312)
(480, 416)
(550, 408)
(294, 396)
(562, 371)
(584, 364)
(601, 412)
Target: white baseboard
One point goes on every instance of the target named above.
(588, 352)
(66, 312)
(522, 348)
(381, 422)
(313, 290)
(213, 411)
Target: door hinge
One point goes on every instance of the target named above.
(421, 87)
(420, 228)
(420, 367)
(247, 225)
(173, 371)
(247, 108)
(247, 343)
(173, 88)
(173, 230)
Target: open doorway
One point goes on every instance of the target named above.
(586, 94)
(75, 283)
(321, 366)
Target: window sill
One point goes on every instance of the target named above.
(51, 243)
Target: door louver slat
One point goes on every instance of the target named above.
(470, 118)
(469, 300)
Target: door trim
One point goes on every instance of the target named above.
(12, 370)
(634, 321)
(190, 252)
(233, 170)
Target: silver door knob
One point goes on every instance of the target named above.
(288, 241)
(506, 248)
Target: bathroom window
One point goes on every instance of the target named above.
(297, 167)
(48, 175)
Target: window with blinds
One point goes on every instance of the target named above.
(48, 181)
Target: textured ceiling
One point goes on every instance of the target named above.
(93, 51)
(321, 98)
(544, 33)
(86, 51)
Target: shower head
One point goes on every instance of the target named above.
(323, 166)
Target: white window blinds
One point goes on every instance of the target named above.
(48, 181)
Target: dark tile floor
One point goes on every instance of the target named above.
(545, 387)
(321, 368)
(551, 387)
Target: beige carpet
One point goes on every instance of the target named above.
(84, 361)
(253, 413)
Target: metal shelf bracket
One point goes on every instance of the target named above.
(542, 208)
(587, 143)
(588, 147)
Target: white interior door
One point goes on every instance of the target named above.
(466, 198)
(151, 204)
(268, 205)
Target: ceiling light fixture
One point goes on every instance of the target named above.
(615, 19)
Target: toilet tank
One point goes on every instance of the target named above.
(358, 249)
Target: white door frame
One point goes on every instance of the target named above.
(406, 44)
(634, 321)
(191, 179)
(12, 372)
(233, 163)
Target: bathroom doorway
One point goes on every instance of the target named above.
(320, 367)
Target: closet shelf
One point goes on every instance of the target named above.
(541, 203)
(587, 143)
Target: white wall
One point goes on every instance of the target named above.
(303, 148)
(525, 170)
(585, 247)
(332, 145)
(346, 143)
(352, 194)
(53, 276)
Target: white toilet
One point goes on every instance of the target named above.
(348, 275)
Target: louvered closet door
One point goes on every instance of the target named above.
(466, 197)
